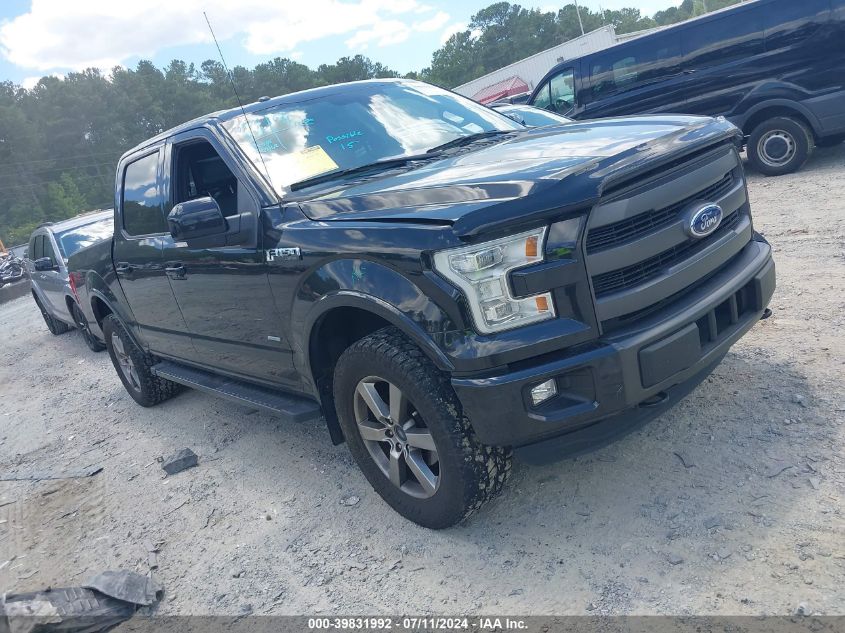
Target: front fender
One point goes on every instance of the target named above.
(370, 286)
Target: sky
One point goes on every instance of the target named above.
(53, 37)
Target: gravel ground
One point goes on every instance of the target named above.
(732, 503)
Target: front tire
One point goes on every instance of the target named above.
(133, 366)
(779, 146)
(406, 431)
(91, 341)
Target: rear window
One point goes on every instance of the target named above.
(81, 237)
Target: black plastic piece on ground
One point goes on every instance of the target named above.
(294, 408)
(766, 314)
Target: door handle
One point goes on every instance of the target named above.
(124, 268)
(175, 270)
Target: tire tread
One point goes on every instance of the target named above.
(153, 389)
(486, 467)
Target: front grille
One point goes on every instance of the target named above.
(631, 228)
(636, 274)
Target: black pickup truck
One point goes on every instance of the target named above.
(440, 284)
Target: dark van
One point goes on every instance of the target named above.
(774, 68)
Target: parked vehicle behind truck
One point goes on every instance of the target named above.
(440, 283)
(772, 67)
(52, 284)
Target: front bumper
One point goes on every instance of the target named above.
(627, 371)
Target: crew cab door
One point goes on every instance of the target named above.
(141, 231)
(223, 291)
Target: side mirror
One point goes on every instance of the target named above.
(43, 264)
(196, 218)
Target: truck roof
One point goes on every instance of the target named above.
(257, 106)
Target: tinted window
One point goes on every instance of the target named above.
(142, 210)
(794, 23)
(542, 99)
(562, 91)
(31, 252)
(200, 172)
(636, 64)
(80, 237)
(48, 249)
(736, 36)
(38, 248)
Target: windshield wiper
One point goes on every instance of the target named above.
(384, 163)
(465, 140)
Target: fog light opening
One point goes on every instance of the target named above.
(542, 392)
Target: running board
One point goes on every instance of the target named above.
(294, 408)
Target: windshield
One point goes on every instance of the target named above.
(80, 237)
(358, 125)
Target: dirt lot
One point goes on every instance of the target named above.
(730, 504)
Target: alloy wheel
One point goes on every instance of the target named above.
(125, 362)
(396, 437)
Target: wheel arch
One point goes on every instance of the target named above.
(761, 112)
(70, 302)
(101, 307)
(339, 320)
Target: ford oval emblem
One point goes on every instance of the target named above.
(704, 219)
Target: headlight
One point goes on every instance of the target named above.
(481, 272)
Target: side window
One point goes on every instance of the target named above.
(38, 248)
(542, 99)
(200, 172)
(48, 250)
(656, 57)
(142, 212)
(625, 72)
(31, 252)
(728, 39)
(794, 24)
(562, 91)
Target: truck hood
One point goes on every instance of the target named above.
(537, 172)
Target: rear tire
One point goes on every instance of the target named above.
(780, 145)
(55, 326)
(133, 366)
(91, 341)
(421, 454)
